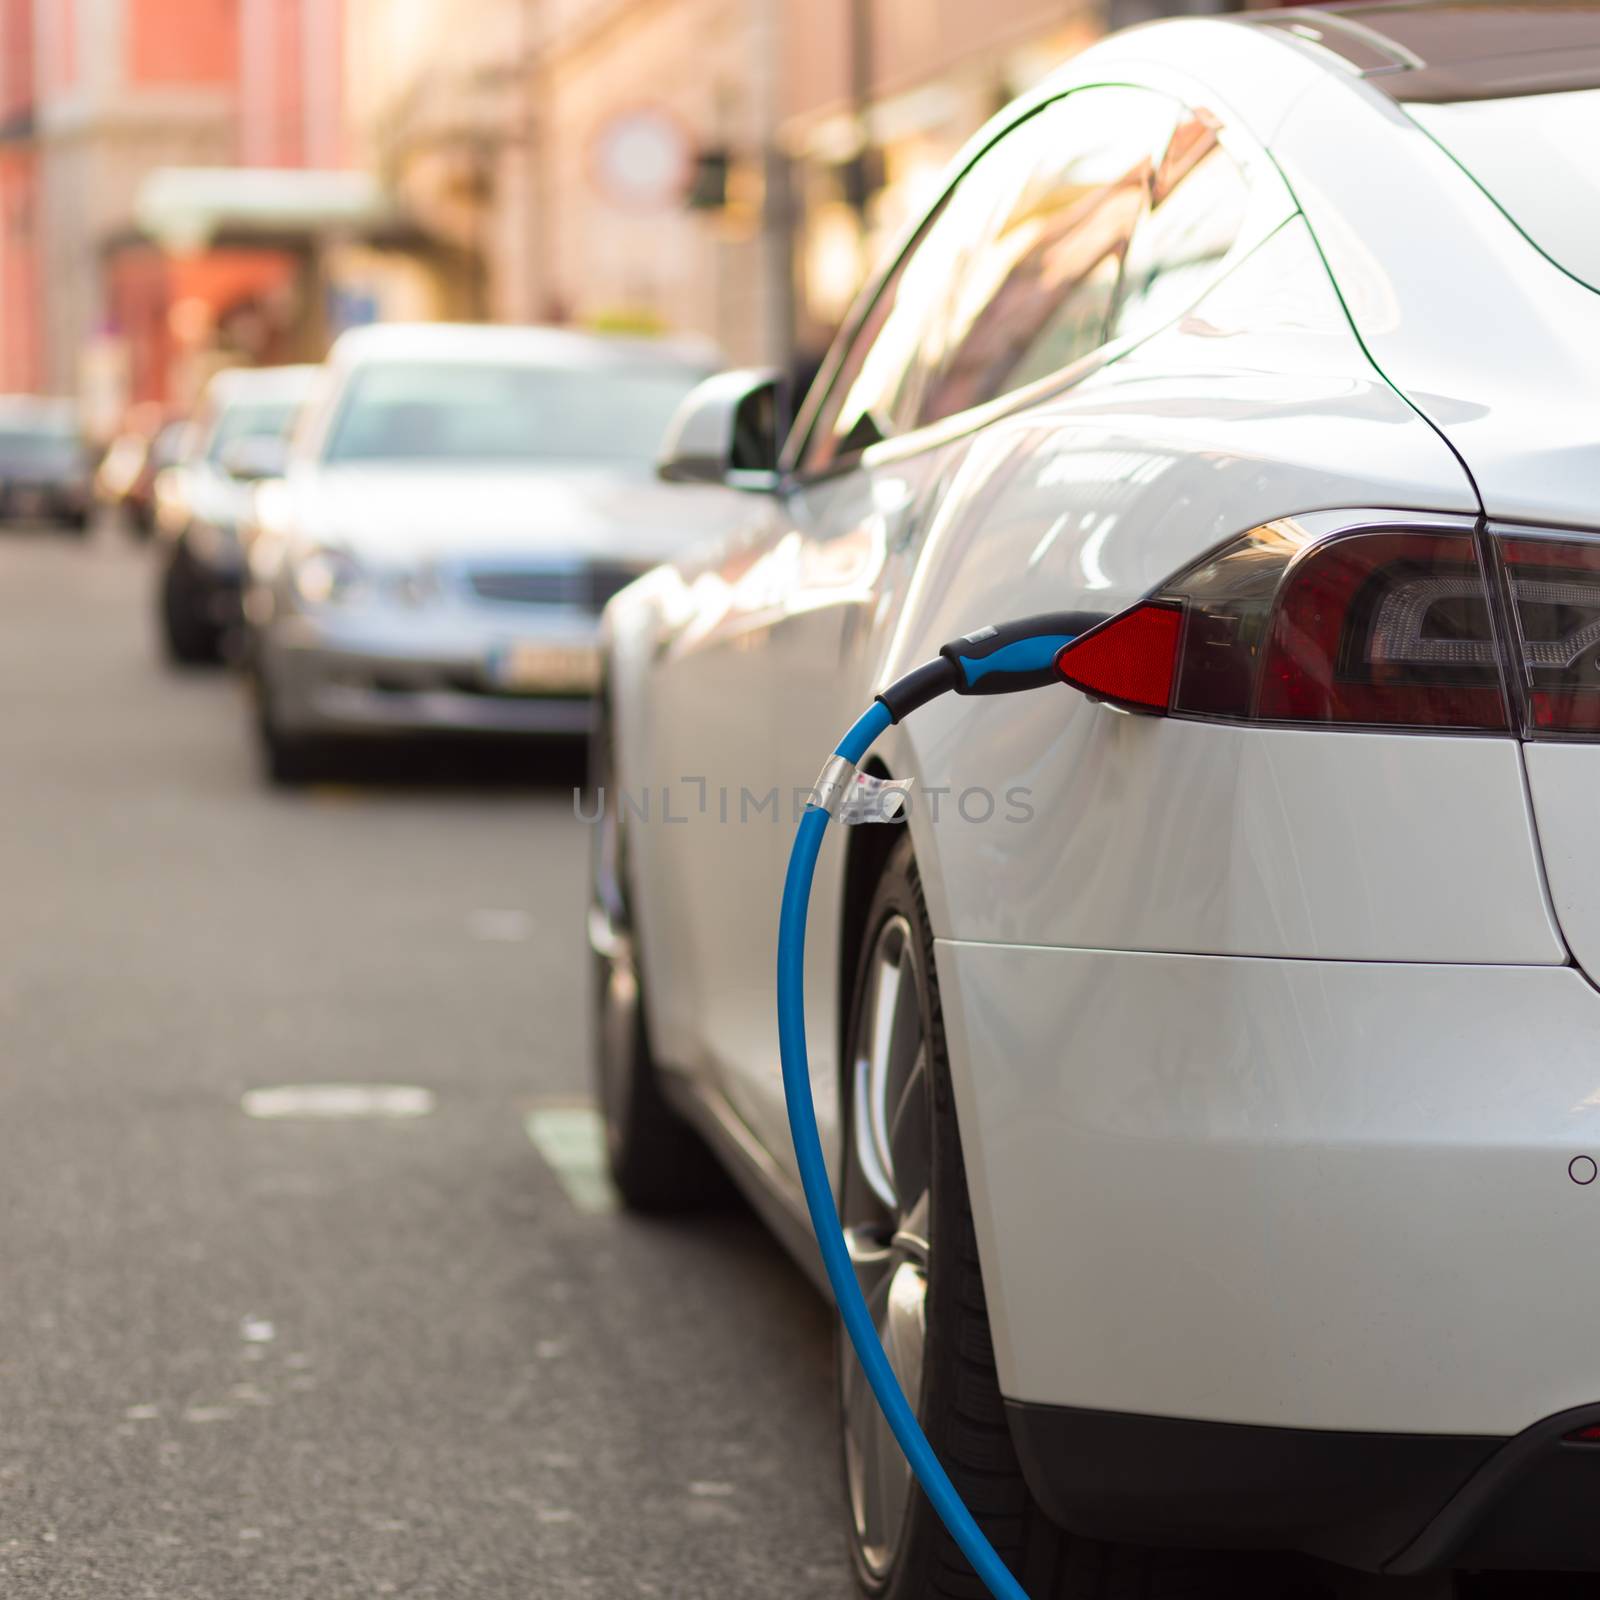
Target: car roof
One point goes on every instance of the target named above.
(1446, 50)
(476, 341)
(243, 385)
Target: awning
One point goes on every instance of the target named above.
(187, 208)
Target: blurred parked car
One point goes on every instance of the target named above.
(1240, 1020)
(45, 466)
(239, 436)
(127, 473)
(459, 505)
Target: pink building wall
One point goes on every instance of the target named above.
(20, 340)
(180, 41)
(291, 83)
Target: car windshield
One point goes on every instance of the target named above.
(1534, 157)
(263, 419)
(478, 411)
(38, 447)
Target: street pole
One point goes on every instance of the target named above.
(777, 201)
(863, 177)
(537, 200)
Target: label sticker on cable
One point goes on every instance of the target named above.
(870, 799)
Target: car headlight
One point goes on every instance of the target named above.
(324, 577)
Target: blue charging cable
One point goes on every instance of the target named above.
(999, 660)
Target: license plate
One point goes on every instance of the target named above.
(545, 668)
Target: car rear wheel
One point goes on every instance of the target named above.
(908, 1224)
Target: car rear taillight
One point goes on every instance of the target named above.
(1554, 588)
(1378, 628)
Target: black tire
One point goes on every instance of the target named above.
(959, 1403)
(288, 760)
(291, 763)
(658, 1163)
(190, 638)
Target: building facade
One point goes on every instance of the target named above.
(21, 340)
(722, 168)
(95, 95)
(122, 86)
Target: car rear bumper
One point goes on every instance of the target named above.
(1341, 1197)
(321, 683)
(1391, 1502)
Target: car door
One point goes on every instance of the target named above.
(1012, 282)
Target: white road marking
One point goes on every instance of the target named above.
(501, 927)
(208, 1414)
(338, 1101)
(572, 1140)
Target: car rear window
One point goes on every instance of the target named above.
(1535, 157)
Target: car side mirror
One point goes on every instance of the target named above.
(252, 459)
(727, 430)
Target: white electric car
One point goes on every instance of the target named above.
(1215, 1093)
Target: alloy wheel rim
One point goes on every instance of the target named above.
(886, 1208)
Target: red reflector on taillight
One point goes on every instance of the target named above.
(1128, 660)
(1589, 1435)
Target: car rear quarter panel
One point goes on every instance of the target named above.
(1165, 835)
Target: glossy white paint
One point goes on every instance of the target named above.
(1261, 1038)
(1257, 403)
(1564, 780)
(1320, 1194)
(1486, 336)
(1158, 834)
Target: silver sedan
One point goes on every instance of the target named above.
(460, 504)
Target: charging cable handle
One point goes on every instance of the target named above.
(1003, 659)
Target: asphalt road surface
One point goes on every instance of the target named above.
(246, 1356)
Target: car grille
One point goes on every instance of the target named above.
(589, 587)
